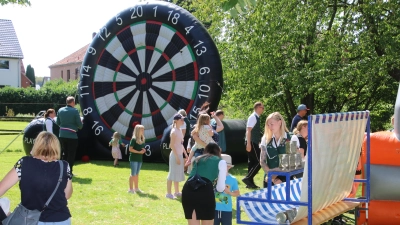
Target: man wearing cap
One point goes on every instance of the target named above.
(301, 113)
(253, 139)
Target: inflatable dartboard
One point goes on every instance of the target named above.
(144, 65)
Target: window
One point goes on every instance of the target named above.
(4, 64)
(62, 74)
(68, 75)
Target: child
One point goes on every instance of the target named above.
(116, 152)
(205, 132)
(223, 200)
(136, 149)
(176, 171)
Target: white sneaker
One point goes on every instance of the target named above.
(131, 191)
(139, 191)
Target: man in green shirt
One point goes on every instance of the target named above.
(69, 121)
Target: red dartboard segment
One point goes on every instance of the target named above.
(145, 67)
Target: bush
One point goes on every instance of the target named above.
(31, 101)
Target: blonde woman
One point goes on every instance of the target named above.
(136, 149)
(202, 133)
(176, 172)
(272, 144)
(300, 136)
(41, 172)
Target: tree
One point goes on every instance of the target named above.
(30, 73)
(332, 55)
(19, 2)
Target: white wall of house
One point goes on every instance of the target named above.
(12, 75)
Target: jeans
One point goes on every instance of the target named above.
(65, 222)
(135, 168)
(198, 152)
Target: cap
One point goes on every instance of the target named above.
(302, 107)
(228, 159)
(178, 116)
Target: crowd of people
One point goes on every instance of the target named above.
(200, 149)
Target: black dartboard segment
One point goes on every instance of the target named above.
(142, 67)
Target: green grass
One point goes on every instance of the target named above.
(12, 125)
(100, 192)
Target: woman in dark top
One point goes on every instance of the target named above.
(38, 176)
(200, 204)
(301, 134)
(50, 123)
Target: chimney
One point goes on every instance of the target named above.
(94, 34)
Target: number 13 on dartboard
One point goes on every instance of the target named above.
(148, 62)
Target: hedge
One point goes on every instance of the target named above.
(29, 100)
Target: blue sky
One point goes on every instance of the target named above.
(50, 30)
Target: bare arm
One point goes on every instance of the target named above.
(8, 181)
(263, 162)
(232, 193)
(263, 159)
(220, 126)
(197, 139)
(248, 138)
(68, 190)
(136, 151)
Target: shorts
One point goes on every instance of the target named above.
(223, 218)
(135, 167)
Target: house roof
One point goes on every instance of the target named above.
(76, 57)
(9, 44)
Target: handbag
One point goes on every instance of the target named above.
(196, 181)
(24, 216)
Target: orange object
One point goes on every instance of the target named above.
(385, 150)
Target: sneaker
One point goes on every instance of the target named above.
(131, 191)
(178, 195)
(170, 196)
(137, 190)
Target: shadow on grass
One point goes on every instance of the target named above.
(151, 196)
(82, 180)
(125, 165)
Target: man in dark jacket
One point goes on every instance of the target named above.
(69, 121)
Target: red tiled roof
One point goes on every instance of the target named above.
(76, 57)
(9, 45)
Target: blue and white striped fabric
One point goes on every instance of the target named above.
(265, 212)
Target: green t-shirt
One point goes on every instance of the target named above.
(206, 167)
(135, 157)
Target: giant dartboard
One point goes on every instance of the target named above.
(148, 62)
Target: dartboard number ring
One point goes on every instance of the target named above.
(145, 64)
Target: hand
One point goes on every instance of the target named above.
(178, 161)
(143, 151)
(277, 181)
(227, 190)
(248, 147)
(188, 162)
(212, 114)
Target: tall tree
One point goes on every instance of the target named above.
(19, 2)
(332, 55)
(30, 73)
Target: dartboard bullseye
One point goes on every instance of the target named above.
(142, 67)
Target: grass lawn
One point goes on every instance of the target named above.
(13, 125)
(100, 190)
